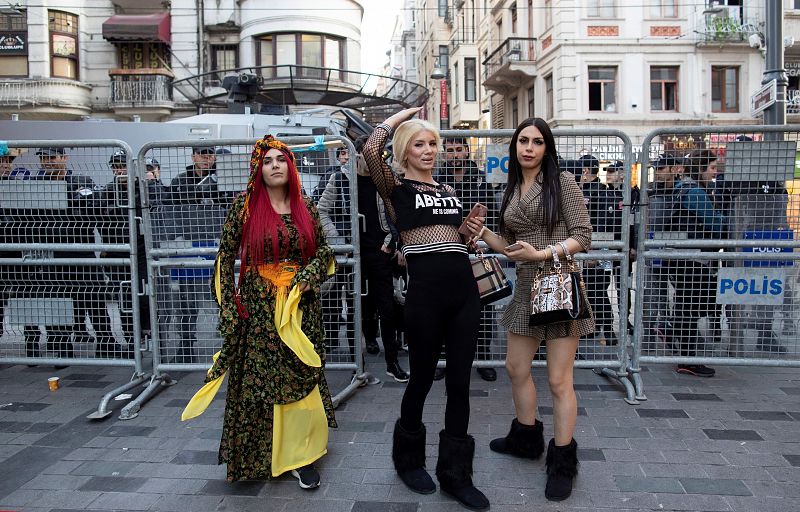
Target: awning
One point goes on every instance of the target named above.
(154, 28)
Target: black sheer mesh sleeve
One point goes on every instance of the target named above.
(382, 175)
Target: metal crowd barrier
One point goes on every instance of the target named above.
(484, 155)
(721, 290)
(69, 258)
(71, 252)
(182, 228)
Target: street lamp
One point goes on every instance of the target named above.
(438, 72)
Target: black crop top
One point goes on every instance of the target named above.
(426, 214)
(417, 208)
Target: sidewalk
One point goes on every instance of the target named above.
(731, 443)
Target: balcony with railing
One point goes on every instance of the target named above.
(291, 84)
(727, 25)
(48, 98)
(510, 64)
(455, 42)
(142, 90)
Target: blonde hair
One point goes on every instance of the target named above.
(403, 135)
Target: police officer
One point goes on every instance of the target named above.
(115, 229)
(342, 156)
(667, 170)
(191, 198)
(599, 200)
(198, 183)
(83, 284)
(7, 172)
(469, 182)
(615, 181)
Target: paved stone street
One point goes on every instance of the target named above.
(731, 443)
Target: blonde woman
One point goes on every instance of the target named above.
(442, 304)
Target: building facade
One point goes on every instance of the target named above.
(602, 63)
(155, 60)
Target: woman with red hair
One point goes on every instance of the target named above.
(278, 406)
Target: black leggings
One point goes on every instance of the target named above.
(442, 309)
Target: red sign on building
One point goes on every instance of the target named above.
(443, 110)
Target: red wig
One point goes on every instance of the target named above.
(264, 227)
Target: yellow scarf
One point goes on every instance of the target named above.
(288, 320)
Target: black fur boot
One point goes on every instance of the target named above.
(562, 467)
(526, 441)
(408, 455)
(454, 471)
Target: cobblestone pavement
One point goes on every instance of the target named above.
(731, 443)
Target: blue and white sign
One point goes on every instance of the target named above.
(497, 163)
(751, 286)
(775, 234)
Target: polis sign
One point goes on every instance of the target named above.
(751, 286)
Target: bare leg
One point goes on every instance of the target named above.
(521, 350)
(560, 360)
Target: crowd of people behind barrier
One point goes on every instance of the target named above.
(681, 186)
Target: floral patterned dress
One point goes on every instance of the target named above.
(262, 370)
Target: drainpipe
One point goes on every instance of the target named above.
(201, 36)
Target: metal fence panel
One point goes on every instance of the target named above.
(69, 276)
(717, 266)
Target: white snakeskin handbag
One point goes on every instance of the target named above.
(557, 294)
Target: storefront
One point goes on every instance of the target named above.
(792, 66)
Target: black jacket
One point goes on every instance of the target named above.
(75, 226)
(599, 202)
(188, 187)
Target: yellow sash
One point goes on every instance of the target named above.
(202, 399)
(288, 319)
(299, 433)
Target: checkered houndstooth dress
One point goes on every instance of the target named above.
(524, 220)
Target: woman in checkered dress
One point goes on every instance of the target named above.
(542, 206)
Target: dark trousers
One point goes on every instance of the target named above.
(376, 271)
(597, 283)
(442, 307)
(695, 298)
(191, 293)
(59, 337)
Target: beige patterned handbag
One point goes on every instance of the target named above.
(493, 284)
(556, 294)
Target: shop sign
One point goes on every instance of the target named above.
(13, 44)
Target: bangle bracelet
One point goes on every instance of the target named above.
(481, 232)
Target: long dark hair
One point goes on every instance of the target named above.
(550, 173)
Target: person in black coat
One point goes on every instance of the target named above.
(84, 286)
(469, 182)
(599, 202)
